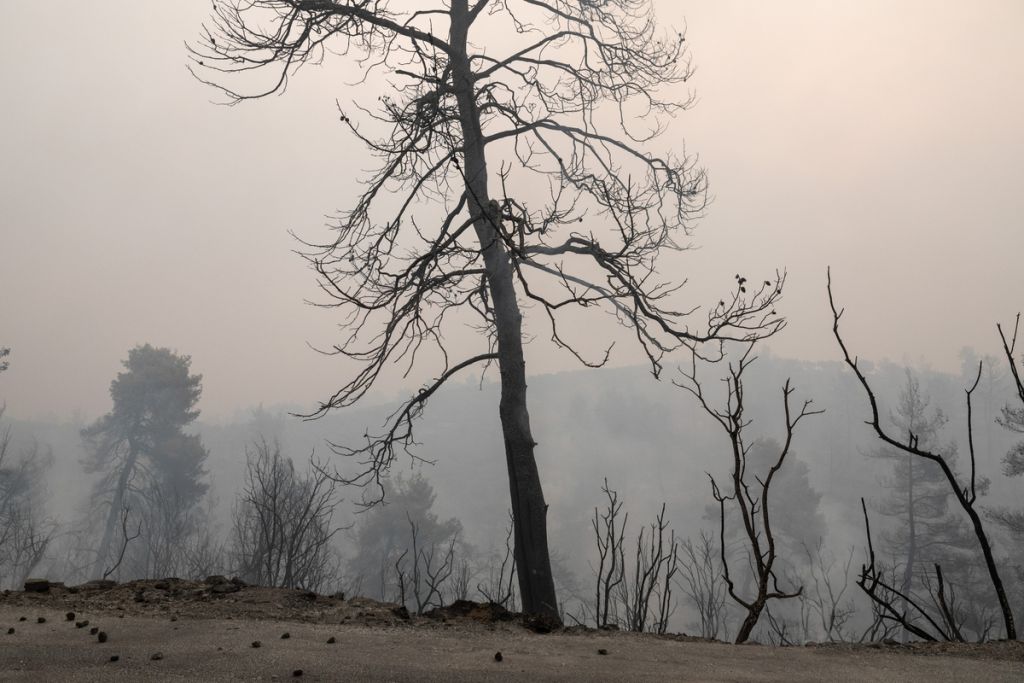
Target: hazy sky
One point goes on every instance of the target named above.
(885, 139)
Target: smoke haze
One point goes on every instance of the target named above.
(883, 139)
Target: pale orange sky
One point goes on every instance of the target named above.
(882, 138)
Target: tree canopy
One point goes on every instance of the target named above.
(144, 459)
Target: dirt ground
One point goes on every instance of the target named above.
(186, 631)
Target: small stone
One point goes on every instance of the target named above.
(22, 619)
(285, 635)
(157, 656)
(114, 658)
(70, 616)
(174, 618)
(10, 630)
(602, 651)
(297, 673)
(331, 640)
(94, 630)
(256, 643)
(101, 636)
(40, 620)
(497, 657)
(82, 624)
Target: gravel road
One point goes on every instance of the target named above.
(221, 649)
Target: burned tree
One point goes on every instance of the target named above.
(383, 534)
(1012, 419)
(880, 587)
(925, 529)
(517, 174)
(423, 570)
(825, 597)
(609, 532)
(283, 522)
(25, 531)
(702, 584)
(751, 501)
(965, 493)
(500, 587)
(639, 599)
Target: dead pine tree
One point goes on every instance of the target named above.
(512, 174)
(749, 499)
(966, 494)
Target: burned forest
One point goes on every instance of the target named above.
(563, 339)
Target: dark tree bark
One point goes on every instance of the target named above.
(908, 570)
(529, 511)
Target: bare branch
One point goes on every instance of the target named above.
(753, 507)
(965, 495)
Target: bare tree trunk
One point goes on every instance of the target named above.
(753, 614)
(536, 585)
(908, 570)
(115, 512)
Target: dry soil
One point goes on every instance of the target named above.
(186, 631)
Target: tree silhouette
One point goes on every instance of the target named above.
(515, 170)
(965, 493)
(748, 489)
(139, 449)
(926, 531)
